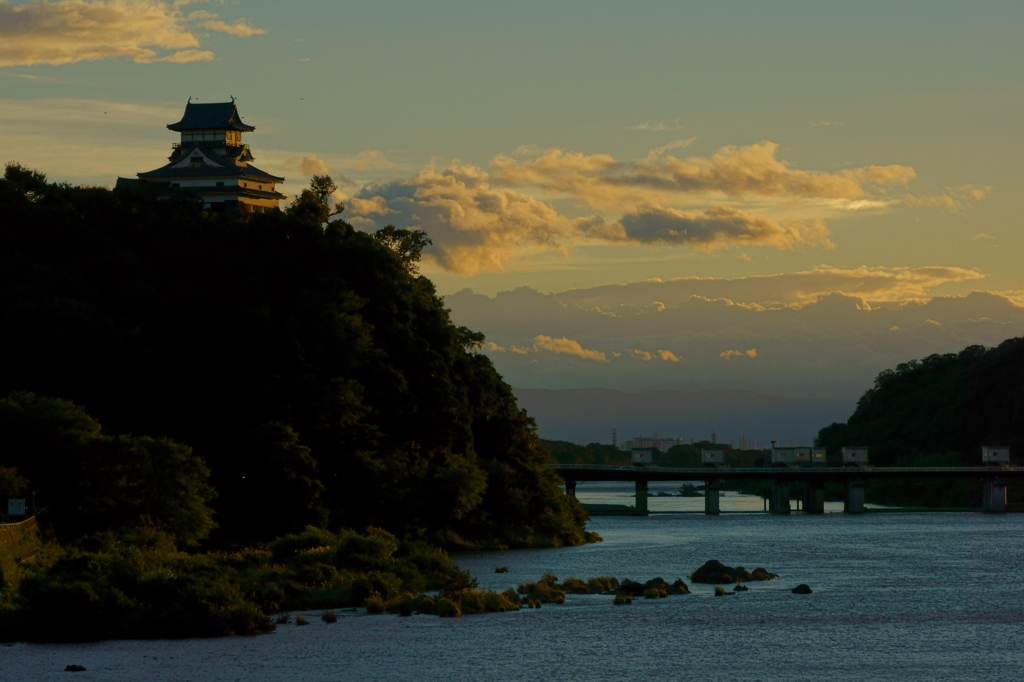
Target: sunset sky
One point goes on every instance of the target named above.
(811, 173)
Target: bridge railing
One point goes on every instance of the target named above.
(761, 470)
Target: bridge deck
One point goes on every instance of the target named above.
(606, 472)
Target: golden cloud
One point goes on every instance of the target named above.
(568, 347)
(494, 348)
(602, 182)
(641, 355)
(473, 226)
(70, 31)
(730, 354)
(953, 199)
(668, 356)
(308, 165)
(876, 285)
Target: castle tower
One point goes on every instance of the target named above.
(211, 161)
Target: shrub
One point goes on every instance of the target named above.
(602, 584)
(575, 586)
(423, 604)
(374, 605)
(720, 592)
(655, 593)
(301, 620)
(622, 599)
(329, 617)
(446, 608)
(544, 591)
(282, 619)
(399, 605)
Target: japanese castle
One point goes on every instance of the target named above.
(211, 161)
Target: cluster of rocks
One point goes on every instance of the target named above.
(716, 573)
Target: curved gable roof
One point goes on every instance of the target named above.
(215, 116)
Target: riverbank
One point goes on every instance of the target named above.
(901, 598)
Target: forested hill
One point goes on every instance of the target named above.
(941, 409)
(311, 368)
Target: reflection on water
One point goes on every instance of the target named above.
(896, 597)
(625, 493)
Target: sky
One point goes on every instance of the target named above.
(756, 195)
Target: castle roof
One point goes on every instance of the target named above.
(214, 166)
(215, 116)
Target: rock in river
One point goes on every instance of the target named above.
(802, 589)
(716, 573)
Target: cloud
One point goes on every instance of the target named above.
(70, 31)
(740, 196)
(568, 347)
(876, 285)
(602, 182)
(659, 126)
(668, 356)
(953, 199)
(518, 350)
(494, 348)
(474, 227)
(834, 346)
(370, 159)
(308, 165)
(240, 29)
(720, 227)
(978, 236)
(674, 144)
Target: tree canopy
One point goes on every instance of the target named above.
(93, 482)
(952, 403)
(305, 363)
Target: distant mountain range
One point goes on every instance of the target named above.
(587, 415)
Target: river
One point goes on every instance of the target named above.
(897, 596)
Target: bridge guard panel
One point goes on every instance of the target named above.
(814, 497)
(778, 503)
(993, 496)
(712, 490)
(854, 497)
(641, 498)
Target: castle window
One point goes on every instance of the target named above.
(197, 161)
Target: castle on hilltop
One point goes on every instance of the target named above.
(212, 162)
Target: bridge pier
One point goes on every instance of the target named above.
(641, 498)
(570, 488)
(778, 502)
(993, 496)
(854, 497)
(814, 497)
(712, 490)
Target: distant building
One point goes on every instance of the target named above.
(712, 456)
(663, 444)
(211, 161)
(995, 453)
(855, 455)
(643, 456)
(791, 455)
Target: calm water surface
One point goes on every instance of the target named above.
(897, 597)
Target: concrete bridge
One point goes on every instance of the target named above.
(807, 482)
